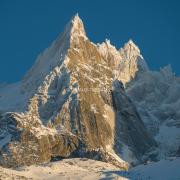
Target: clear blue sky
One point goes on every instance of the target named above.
(27, 27)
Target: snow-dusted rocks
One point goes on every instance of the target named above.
(72, 104)
(159, 107)
(131, 63)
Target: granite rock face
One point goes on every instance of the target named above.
(73, 103)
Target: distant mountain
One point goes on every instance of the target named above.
(82, 99)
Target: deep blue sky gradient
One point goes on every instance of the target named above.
(27, 27)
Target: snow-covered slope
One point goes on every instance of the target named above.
(72, 103)
(86, 169)
(164, 169)
(157, 97)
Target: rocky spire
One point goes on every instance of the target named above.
(77, 25)
(53, 56)
(132, 62)
(131, 45)
(75, 29)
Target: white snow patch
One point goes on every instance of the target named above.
(12, 98)
(127, 154)
(169, 139)
(164, 169)
(93, 108)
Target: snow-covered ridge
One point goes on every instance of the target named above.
(87, 169)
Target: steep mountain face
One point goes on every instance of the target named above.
(159, 108)
(129, 127)
(73, 102)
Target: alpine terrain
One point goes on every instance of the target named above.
(86, 100)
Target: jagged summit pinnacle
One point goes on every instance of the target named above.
(131, 45)
(77, 26)
(74, 30)
(76, 18)
(131, 42)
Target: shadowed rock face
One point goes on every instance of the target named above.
(129, 128)
(75, 106)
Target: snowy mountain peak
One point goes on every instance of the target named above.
(132, 46)
(54, 55)
(76, 18)
(77, 27)
(108, 42)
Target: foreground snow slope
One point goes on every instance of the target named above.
(86, 169)
(162, 170)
